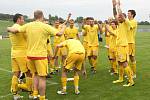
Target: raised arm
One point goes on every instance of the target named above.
(12, 30)
(114, 3)
(119, 8)
(64, 26)
(68, 18)
(100, 26)
(108, 30)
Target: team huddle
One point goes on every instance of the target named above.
(33, 51)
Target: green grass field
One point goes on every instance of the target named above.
(95, 87)
(4, 25)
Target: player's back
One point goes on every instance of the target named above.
(74, 46)
(37, 34)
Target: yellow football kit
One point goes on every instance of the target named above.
(76, 53)
(71, 32)
(37, 35)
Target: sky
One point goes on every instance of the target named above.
(99, 9)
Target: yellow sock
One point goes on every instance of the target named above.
(64, 83)
(29, 83)
(42, 97)
(23, 86)
(94, 63)
(35, 93)
(14, 84)
(129, 73)
(133, 66)
(114, 65)
(121, 73)
(76, 82)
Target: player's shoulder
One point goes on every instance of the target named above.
(16, 25)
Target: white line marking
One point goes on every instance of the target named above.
(9, 94)
(2, 69)
(51, 83)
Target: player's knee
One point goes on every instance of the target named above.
(28, 74)
(95, 57)
(125, 64)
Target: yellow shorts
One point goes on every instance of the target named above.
(122, 54)
(38, 66)
(112, 53)
(50, 50)
(74, 59)
(92, 51)
(19, 64)
(131, 49)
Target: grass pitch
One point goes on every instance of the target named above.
(95, 87)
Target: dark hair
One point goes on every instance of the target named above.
(124, 15)
(89, 18)
(132, 12)
(115, 22)
(16, 16)
(71, 20)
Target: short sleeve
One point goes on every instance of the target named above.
(22, 29)
(51, 30)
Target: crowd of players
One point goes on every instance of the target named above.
(33, 50)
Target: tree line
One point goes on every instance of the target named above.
(51, 19)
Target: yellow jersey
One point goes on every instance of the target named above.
(59, 39)
(73, 46)
(132, 31)
(112, 43)
(18, 43)
(71, 32)
(83, 30)
(122, 34)
(92, 35)
(37, 35)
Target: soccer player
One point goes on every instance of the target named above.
(37, 35)
(122, 45)
(50, 58)
(112, 45)
(107, 35)
(85, 42)
(62, 52)
(92, 43)
(131, 39)
(19, 57)
(71, 31)
(75, 58)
